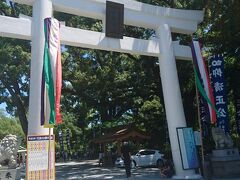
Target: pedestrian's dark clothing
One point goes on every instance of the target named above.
(166, 170)
(127, 159)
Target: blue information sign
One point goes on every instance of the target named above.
(188, 148)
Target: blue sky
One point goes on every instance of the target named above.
(3, 107)
(8, 2)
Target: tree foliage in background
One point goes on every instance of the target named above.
(221, 34)
(14, 65)
(10, 125)
(107, 88)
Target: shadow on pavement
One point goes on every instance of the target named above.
(90, 170)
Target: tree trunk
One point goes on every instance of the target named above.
(21, 111)
(21, 114)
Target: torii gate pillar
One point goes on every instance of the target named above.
(172, 98)
(41, 10)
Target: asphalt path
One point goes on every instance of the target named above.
(89, 169)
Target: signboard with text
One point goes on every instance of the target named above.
(40, 158)
(114, 20)
(218, 83)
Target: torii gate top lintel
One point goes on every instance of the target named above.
(136, 13)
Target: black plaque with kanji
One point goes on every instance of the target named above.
(114, 20)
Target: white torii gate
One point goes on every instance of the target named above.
(162, 20)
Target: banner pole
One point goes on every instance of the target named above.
(49, 153)
(200, 128)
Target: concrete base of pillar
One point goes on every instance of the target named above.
(193, 176)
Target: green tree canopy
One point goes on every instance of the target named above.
(10, 125)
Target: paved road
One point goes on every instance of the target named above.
(90, 170)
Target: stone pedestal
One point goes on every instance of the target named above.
(10, 174)
(225, 163)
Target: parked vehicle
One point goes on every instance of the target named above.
(145, 157)
(120, 163)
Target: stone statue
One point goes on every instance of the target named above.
(222, 140)
(8, 151)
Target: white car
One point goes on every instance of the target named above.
(145, 157)
(120, 163)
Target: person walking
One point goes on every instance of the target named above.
(126, 156)
(100, 158)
